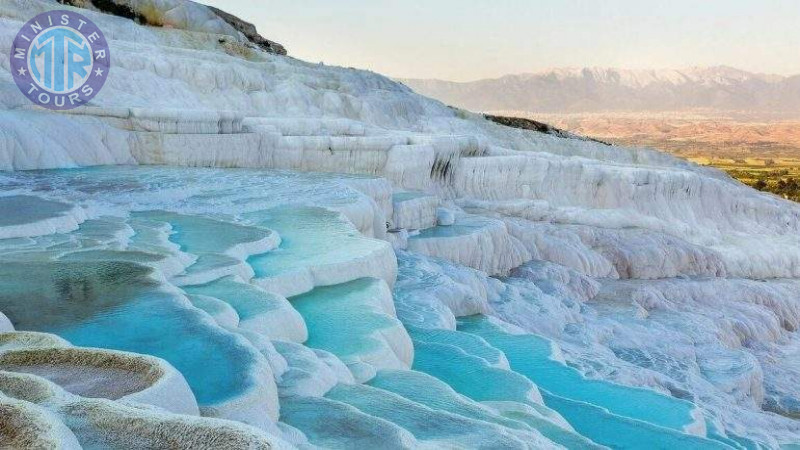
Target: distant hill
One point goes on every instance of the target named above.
(608, 89)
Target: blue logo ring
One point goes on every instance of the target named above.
(60, 59)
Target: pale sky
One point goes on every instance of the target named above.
(466, 40)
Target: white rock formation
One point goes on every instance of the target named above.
(552, 291)
(59, 396)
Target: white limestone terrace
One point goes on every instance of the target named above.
(542, 292)
(180, 97)
(78, 397)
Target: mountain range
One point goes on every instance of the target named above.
(583, 90)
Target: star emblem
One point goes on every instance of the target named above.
(98, 72)
(22, 71)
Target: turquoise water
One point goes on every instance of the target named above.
(149, 237)
(407, 195)
(196, 234)
(472, 376)
(624, 433)
(113, 255)
(464, 225)
(105, 297)
(347, 319)
(531, 355)
(607, 413)
(210, 262)
(310, 236)
(248, 301)
(451, 360)
(212, 306)
(22, 209)
(116, 305)
(474, 345)
(432, 392)
(732, 440)
(336, 425)
(435, 426)
(102, 231)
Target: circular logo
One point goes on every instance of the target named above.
(60, 59)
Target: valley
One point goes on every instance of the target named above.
(760, 150)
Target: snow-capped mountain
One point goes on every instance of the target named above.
(608, 89)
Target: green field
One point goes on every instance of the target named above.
(779, 176)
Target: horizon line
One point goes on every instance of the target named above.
(626, 69)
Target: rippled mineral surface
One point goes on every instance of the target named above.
(231, 248)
